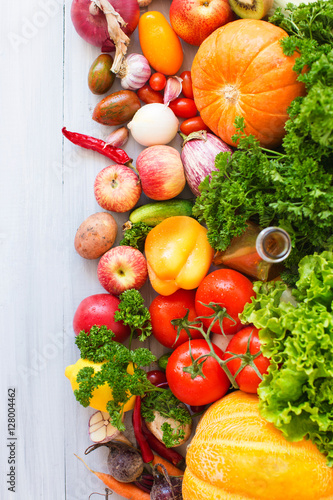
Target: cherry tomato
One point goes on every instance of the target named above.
(199, 390)
(156, 377)
(231, 290)
(193, 125)
(157, 81)
(148, 95)
(183, 107)
(187, 84)
(247, 379)
(163, 309)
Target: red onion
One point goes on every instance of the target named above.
(198, 156)
(91, 23)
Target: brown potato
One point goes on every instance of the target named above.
(96, 235)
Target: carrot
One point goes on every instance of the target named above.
(171, 469)
(126, 490)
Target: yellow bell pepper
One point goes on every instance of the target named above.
(178, 254)
(102, 394)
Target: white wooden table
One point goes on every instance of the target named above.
(46, 192)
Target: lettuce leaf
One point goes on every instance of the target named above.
(297, 393)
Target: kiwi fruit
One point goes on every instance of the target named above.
(251, 9)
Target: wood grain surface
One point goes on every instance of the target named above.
(46, 192)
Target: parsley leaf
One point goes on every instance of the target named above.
(94, 346)
(168, 406)
(133, 313)
(120, 368)
(135, 234)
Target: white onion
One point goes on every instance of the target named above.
(154, 124)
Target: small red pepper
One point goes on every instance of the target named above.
(85, 141)
(147, 454)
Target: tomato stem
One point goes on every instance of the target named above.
(196, 368)
(218, 315)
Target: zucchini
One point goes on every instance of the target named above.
(154, 213)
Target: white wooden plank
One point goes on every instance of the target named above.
(32, 245)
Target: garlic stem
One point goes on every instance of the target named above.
(119, 38)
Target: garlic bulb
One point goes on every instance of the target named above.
(135, 72)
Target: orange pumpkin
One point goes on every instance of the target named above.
(236, 455)
(240, 70)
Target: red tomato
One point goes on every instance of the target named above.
(199, 390)
(157, 81)
(164, 309)
(99, 310)
(187, 84)
(183, 107)
(193, 124)
(231, 290)
(247, 379)
(148, 95)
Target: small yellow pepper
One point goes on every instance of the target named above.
(178, 254)
(102, 394)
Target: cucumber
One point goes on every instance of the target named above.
(154, 213)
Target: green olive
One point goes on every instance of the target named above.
(100, 77)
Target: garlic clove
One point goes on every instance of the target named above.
(118, 137)
(172, 89)
(101, 430)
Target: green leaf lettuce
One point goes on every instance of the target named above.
(297, 393)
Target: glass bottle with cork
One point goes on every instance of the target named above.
(257, 252)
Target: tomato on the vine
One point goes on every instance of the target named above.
(183, 107)
(149, 95)
(202, 389)
(246, 343)
(164, 309)
(187, 88)
(229, 289)
(193, 124)
(157, 81)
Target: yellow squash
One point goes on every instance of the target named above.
(237, 455)
(102, 394)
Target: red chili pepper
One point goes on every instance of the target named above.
(168, 453)
(85, 141)
(147, 454)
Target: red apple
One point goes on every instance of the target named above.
(195, 20)
(161, 172)
(117, 188)
(99, 310)
(122, 268)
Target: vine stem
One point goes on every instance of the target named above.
(195, 369)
